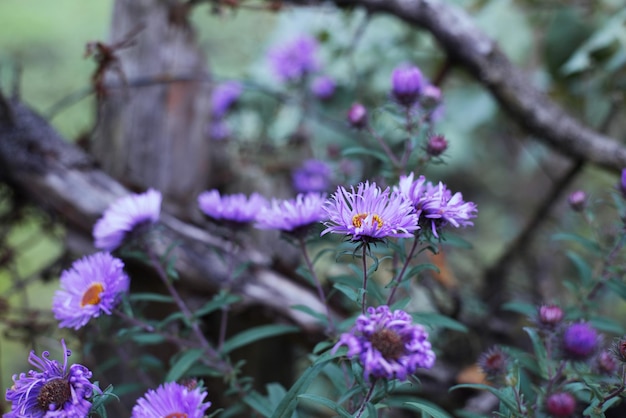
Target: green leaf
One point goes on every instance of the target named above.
(415, 270)
(220, 300)
(327, 403)
(365, 151)
(540, 351)
(524, 308)
(506, 400)
(255, 334)
(350, 293)
(306, 309)
(288, 404)
(584, 270)
(428, 408)
(617, 286)
(586, 243)
(258, 403)
(147, 339)
(438, 320)
(602, 323)
(183, 363)
(150, 297)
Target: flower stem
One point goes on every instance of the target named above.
(366, 400)
(400, 276)
(318, 285)
(364, 279)
(394, 160)
(206, 346)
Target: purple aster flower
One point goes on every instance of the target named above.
(388, 344)
(436, 204)
(577, 200)
(294, 216)
(219, 129)
(622, 183)
(370, 214)
(171, 400)
(125, 215)
(550, 316)
(436, 145)
(93, 285)
(54, 390)
(294, 60)
(580, 341)
(312, 176)
(407, 84)
(236, 210)
(323, 87)
(223, 97)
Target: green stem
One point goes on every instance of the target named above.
(364, 279)
(400, 276)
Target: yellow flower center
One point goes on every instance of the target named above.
(92, 295)
(176, 415)
(357, 220)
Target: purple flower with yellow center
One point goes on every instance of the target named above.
(436, 204)
(312, 176)
(224, 97)
(370, 214)
(291, 62)
(92, 286)
(294, 216)
(323, 87)
(235, 210)
(54, 390)
(171, 400)
(388, 344)
(407, 84)
(124, 216)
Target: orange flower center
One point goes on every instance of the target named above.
(92, 295)
(357, 220)
(176, 415)
(389, 343)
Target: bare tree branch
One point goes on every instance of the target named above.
(61, 178)
(469, 47)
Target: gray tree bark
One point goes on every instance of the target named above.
(154, 136)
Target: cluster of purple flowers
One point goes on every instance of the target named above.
(236, 210)
(296, 60)
(388, 344)
(410, 89)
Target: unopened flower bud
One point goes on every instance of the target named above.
(493, 362)
(580, 341)
(357, 116)
(562, 404)
(431, 97)
(550, 315)
(323, 87)
(619, 349)
(577, 200)
(436, 145)
(606, 363)
(407, 84)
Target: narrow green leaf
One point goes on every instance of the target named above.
(365, 151)
(584, 270)
(258, 403)
(147, 339)
(350, 293)
(327, 403)
(150, 297)
(437, 320)
(585, 242)
(288, 404)
(255, 334)
(183, 363)
(540, 351)
(428, 408)
(524, 308)
(506, 400)
(221, 299)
